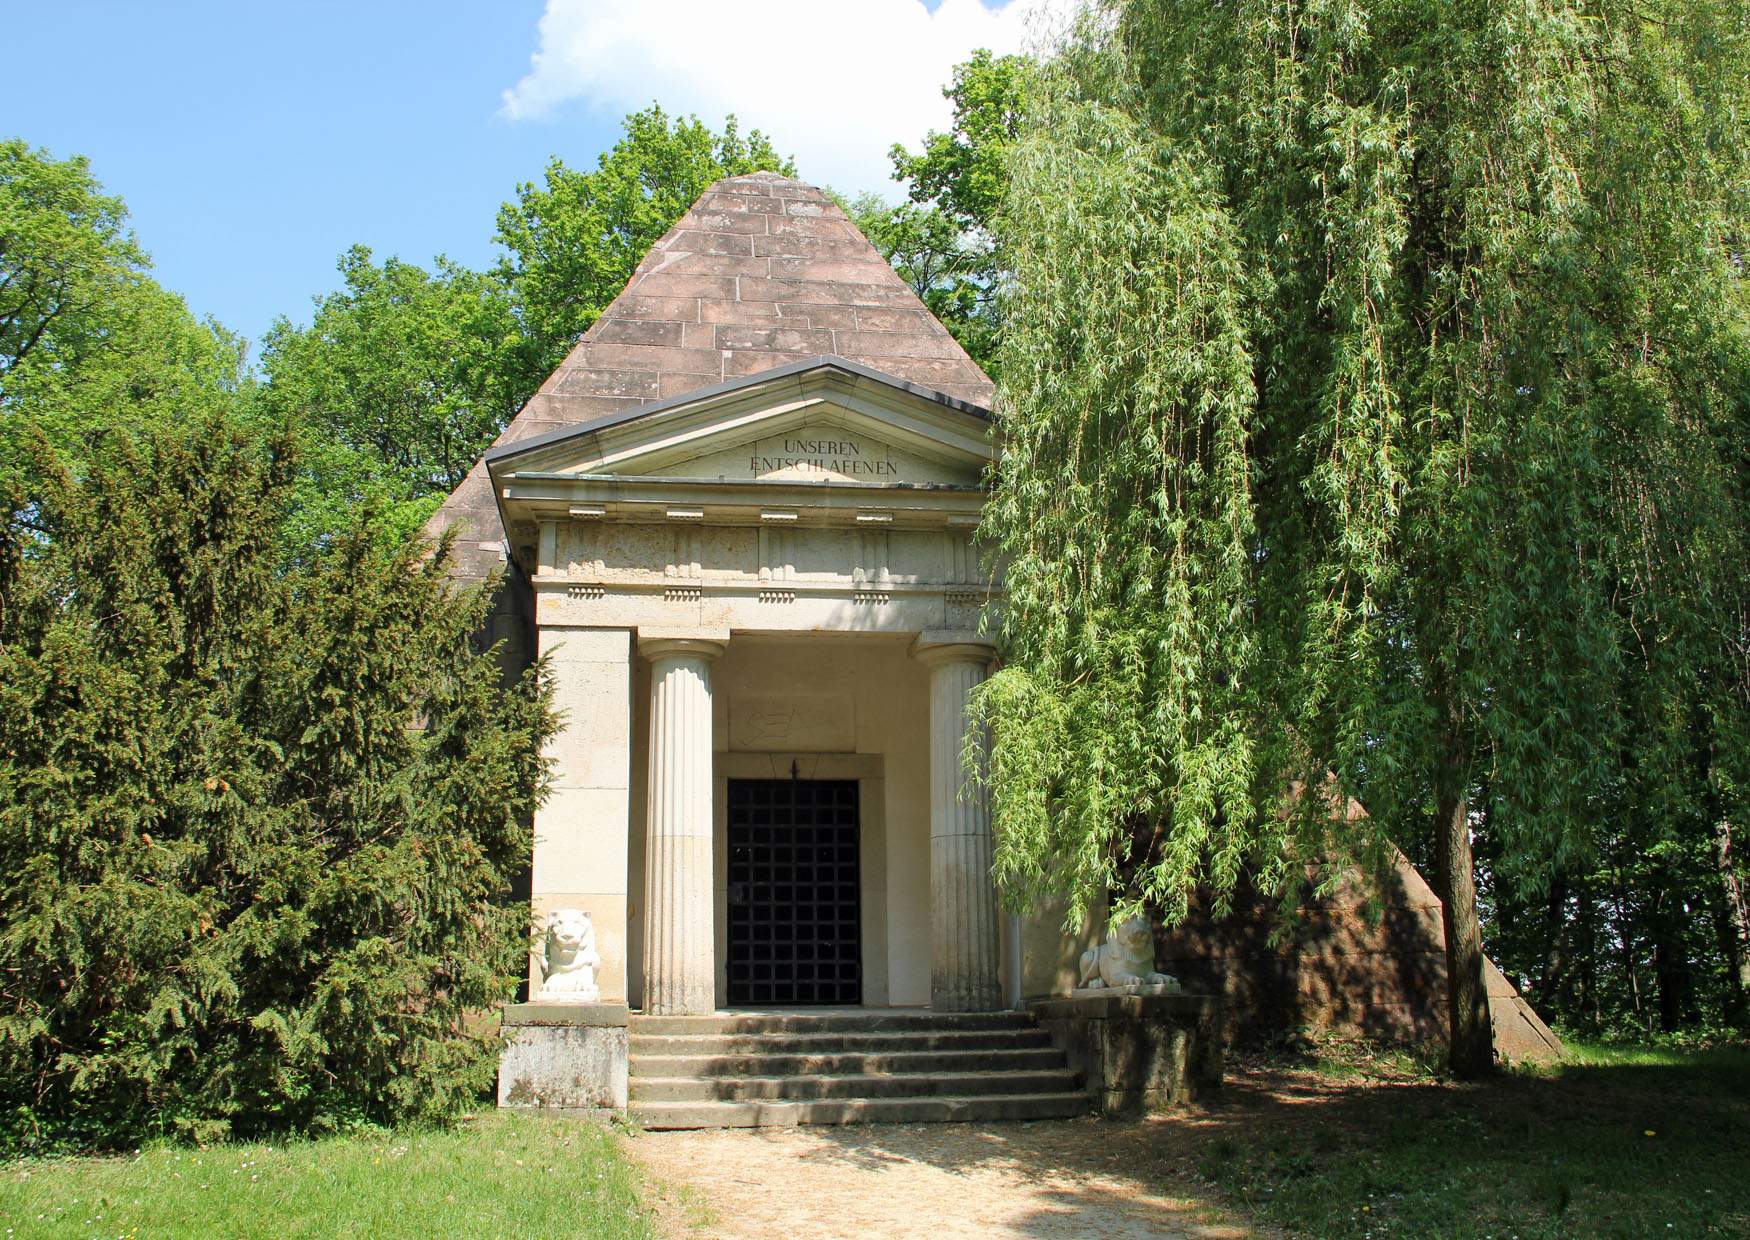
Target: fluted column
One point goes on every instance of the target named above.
(964, 935)
(679, 920)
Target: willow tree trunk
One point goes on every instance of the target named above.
(1471, 1049)
(1734, 924)
(1554, 978)
(1586, 954)
(1670, 956)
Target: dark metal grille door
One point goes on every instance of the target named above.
(794, 930)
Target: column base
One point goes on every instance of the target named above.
(967, 1003)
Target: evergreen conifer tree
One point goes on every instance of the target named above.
(256, 823)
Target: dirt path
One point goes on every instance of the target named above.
(1054, 1179)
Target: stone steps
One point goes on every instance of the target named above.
(840, 1020)
(1026, 1059)
(939, 1110)
(840, 1043)
(846, 1066)
(849, 1085)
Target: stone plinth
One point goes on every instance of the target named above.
(1138, 1052)
(1113, 992)
(570, 1055)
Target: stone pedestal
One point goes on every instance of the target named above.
(679, 920)
(964, 929)
(1138, 1052)
(570, 1055)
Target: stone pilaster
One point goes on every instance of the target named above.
(964, 929)
(679, 953)
(580, 831)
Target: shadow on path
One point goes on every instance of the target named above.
(1591, 1150)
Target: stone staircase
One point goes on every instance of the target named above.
(846, 1066)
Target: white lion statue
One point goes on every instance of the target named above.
(1127, 958)
(571, 958)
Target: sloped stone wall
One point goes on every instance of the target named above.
(1339, 970)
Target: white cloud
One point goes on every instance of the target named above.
(836, 82)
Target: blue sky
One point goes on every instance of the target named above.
(254, 142)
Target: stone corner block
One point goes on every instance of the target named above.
(566, 1064)
(576, 644)
(1138, 1053)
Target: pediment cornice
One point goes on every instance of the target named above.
(826, 435)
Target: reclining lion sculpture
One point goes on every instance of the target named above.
(1127, 958)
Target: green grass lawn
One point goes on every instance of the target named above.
(499, 1175)
(1615, 1142)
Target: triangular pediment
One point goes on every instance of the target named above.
(824, 422)
(828, 447)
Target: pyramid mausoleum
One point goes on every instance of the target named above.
(737, 523)
(761, 272)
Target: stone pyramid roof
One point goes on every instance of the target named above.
(761, 272)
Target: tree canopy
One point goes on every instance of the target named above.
(572, 242)
(89, 342)
(1375, 382)
(402, 379)
(941, 240)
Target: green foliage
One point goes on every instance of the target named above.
(64, 246)
(255, 824)
(403, 378)
(941, 241)
(964, 173)
(416, 372)
(1123, 511)
(88, 341)
(572, 243)
(950, 271)
(1375, 380)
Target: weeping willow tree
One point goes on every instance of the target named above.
(1375, 387)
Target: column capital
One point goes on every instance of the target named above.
(694, 643)
(934, 647)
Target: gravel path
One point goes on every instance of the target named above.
(1055, 1179)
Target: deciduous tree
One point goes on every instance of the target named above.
(399, 383)
(89, 342)
(1375, 384)
(406, 375)
(941, 240)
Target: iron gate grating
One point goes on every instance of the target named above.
(794, 896)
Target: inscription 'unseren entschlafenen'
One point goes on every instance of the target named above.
(833, 456)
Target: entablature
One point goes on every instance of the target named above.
(729, 501)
